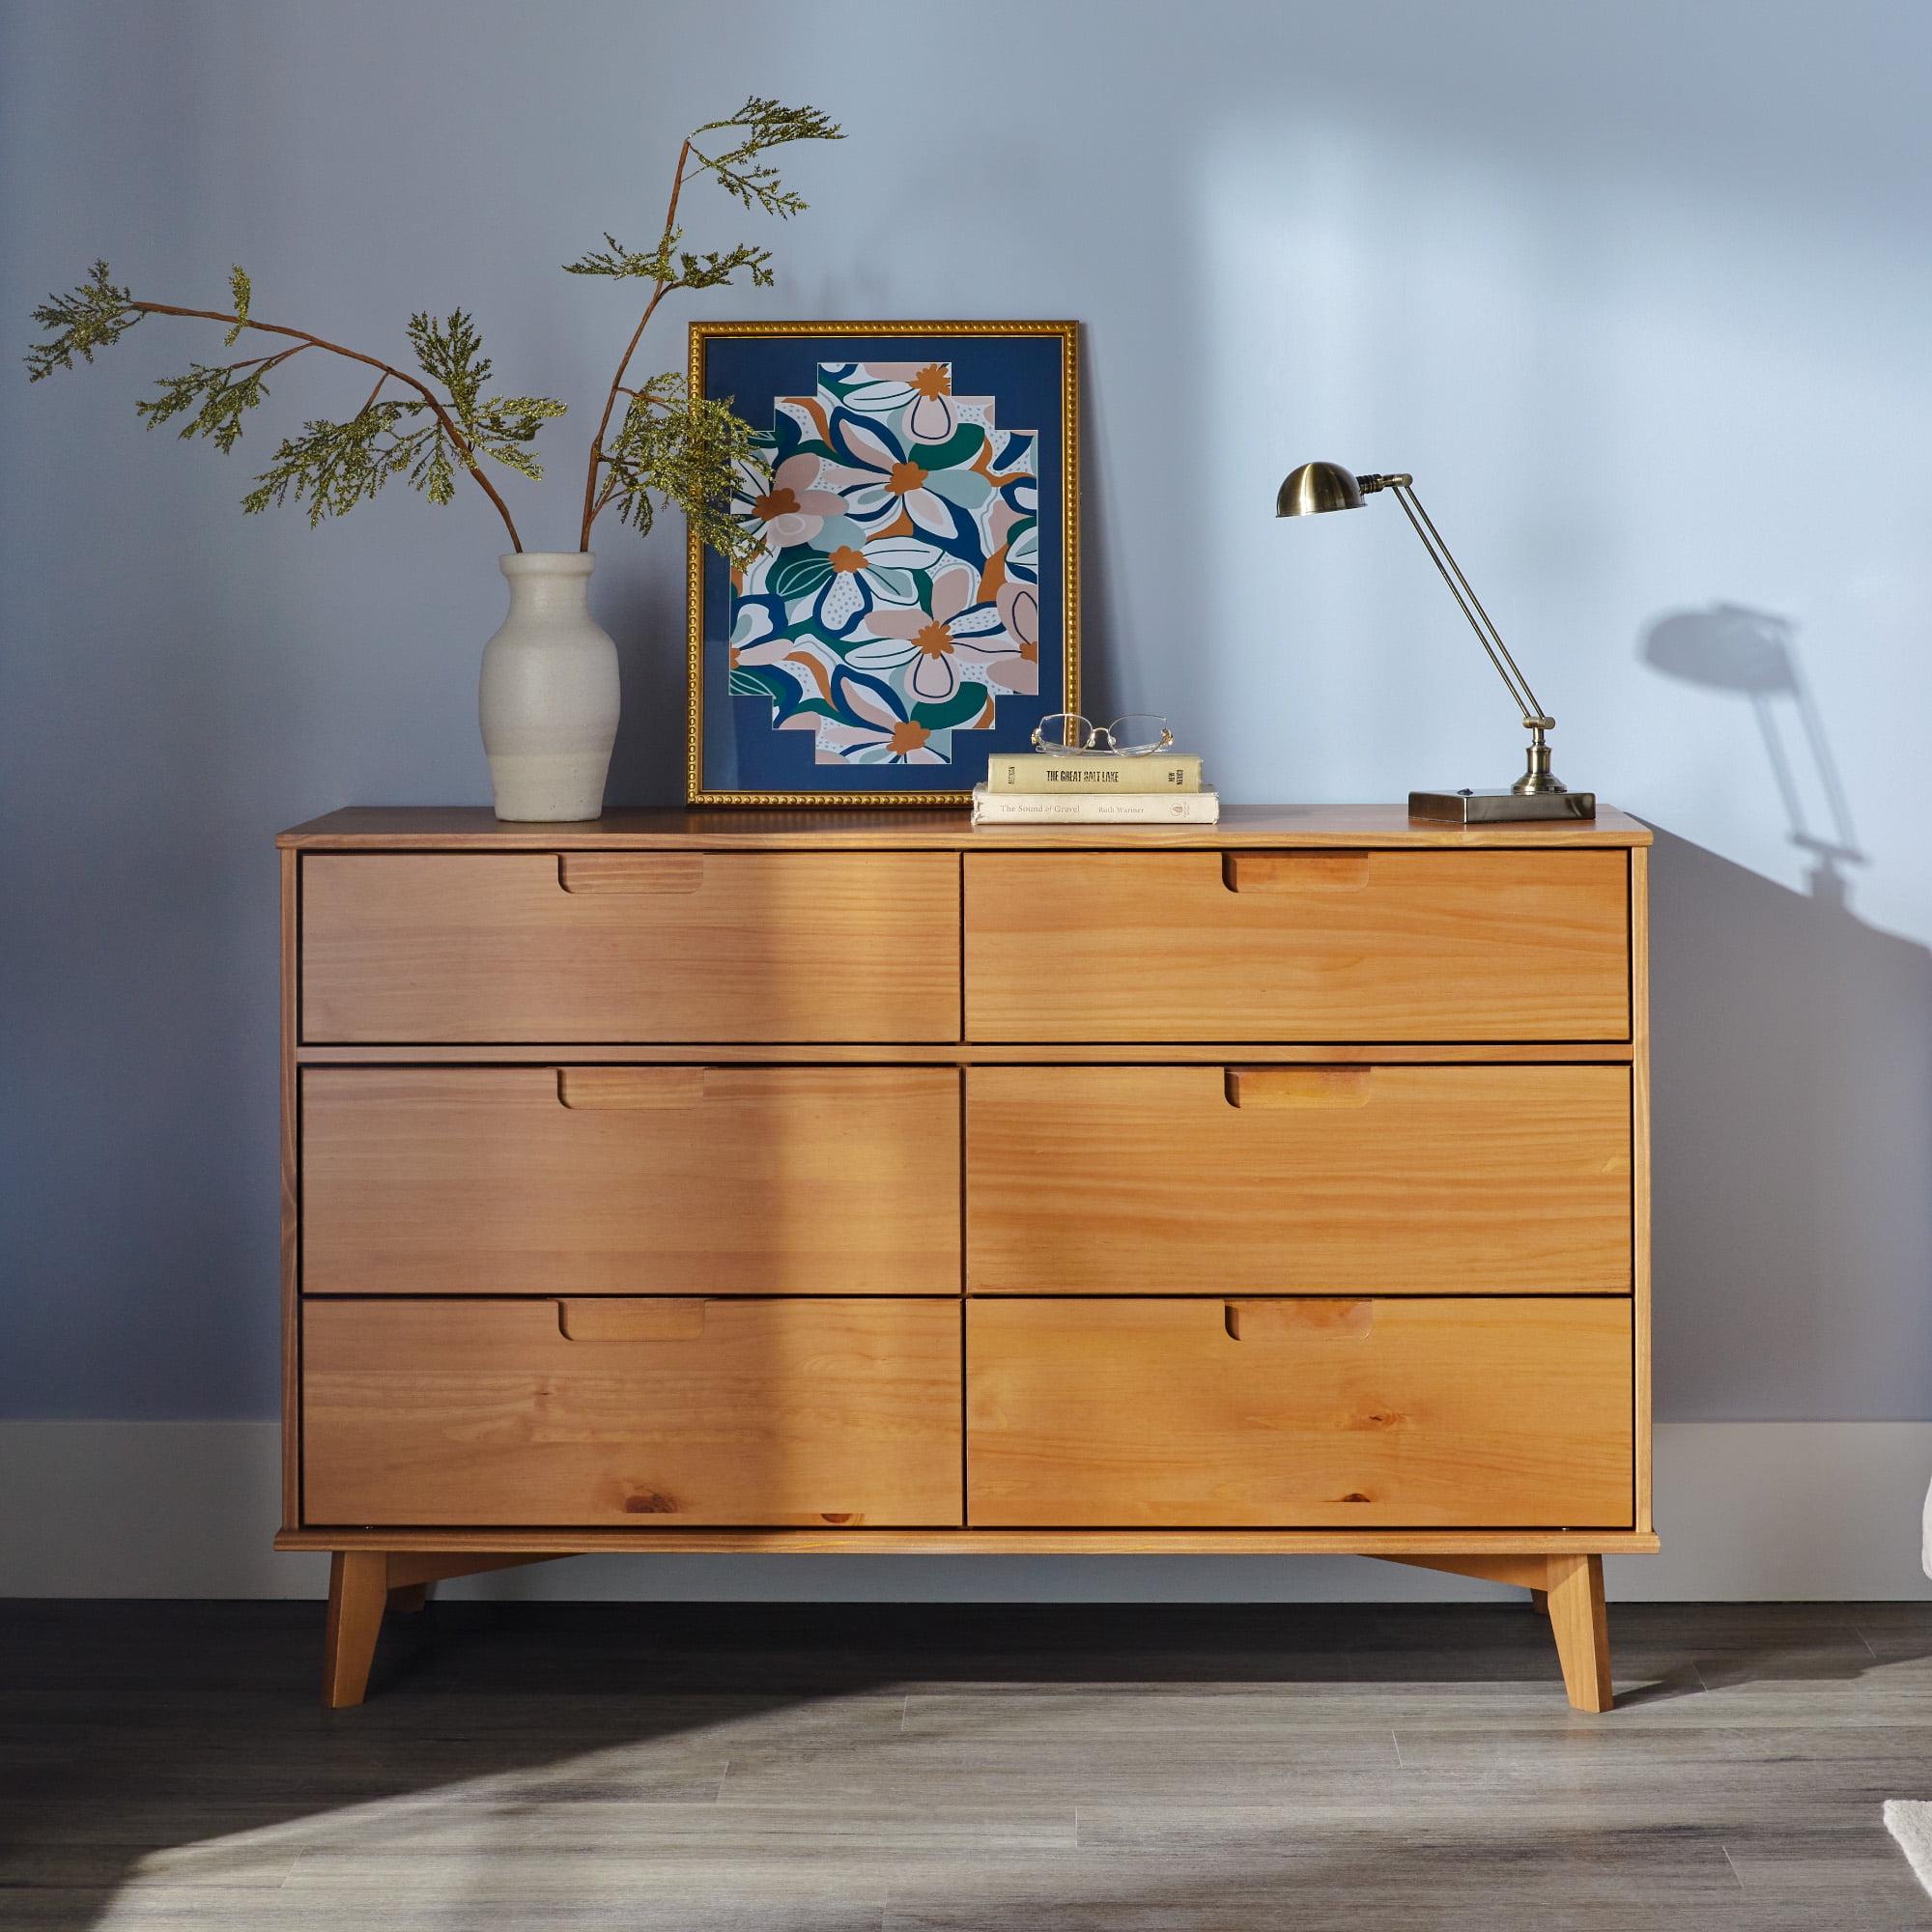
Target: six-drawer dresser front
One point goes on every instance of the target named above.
(860, 1181)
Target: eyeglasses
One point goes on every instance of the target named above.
(1133, 736)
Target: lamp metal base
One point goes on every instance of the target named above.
(1499, 807)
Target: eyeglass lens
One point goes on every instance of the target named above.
(1135, 735)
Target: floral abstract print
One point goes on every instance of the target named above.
(896, 598)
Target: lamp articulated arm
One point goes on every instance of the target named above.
(1401, 486)
(1314, 488)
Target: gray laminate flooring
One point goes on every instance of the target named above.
(1112, 1770)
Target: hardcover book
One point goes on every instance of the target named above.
(1095, 807)
(1038, 772)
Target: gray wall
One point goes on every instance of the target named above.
(1639, 292)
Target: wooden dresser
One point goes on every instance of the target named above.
(857, 1182)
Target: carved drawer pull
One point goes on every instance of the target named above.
(630, 871)
(631, 1087)
(1264, 1320)
(597, 1319)
(1295, 871)
(1297, 1086)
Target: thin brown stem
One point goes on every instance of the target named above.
(389, 371)
(593, 504)
(267, 362)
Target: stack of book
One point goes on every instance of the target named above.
(1095, 788)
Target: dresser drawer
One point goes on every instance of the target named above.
(631, 1411)
(1298, 946)
(589, 947)
(1480, 1413)
(1409, 1179)
(630, 1180)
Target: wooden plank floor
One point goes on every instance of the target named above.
(959, 1770)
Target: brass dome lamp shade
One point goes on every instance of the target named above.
(1319, 487)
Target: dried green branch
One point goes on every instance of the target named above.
(218, 396)
(684, 449)
(764, 125)
(675, 268)
(667, 446)
(761, 126)
(240, 292)
(500, 427)
(94, 316)
(330, 467)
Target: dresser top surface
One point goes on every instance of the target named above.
(477, 829)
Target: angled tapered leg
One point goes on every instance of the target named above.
(1582, 1632)
(1568, 1590)
(358, 1592)
(364, 1583)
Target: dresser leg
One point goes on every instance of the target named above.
(364, 1583)
(1582, 1632)
(358, 1592)
(1538, 1601)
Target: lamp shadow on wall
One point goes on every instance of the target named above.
(1792, 1104)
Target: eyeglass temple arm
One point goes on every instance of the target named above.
(1403, 488)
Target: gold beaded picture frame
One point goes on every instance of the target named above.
(914, 608)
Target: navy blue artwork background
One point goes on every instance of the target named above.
(741, 750)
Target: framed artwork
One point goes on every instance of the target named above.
(914, 608)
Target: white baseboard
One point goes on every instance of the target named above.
(1747, 1509)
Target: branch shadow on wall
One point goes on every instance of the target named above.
(1792, 1103)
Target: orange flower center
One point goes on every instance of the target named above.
(905, 476)
(935, 641)
(845, 560)
(908, 737)
(934, 380)
(1030, 654)
(775, 504)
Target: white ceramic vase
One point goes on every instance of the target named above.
(549, 694)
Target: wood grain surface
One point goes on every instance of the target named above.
(469, 828)
(821, 1412)
(1385, 1414)
(915, 1053)
(1640, 1173)
(630, 945)
(290, 1247)
(536, 1181)
(1297, 944)
(1326, 1128)
(1384, 1179)
(1400, 1544)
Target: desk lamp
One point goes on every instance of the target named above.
(1318, 487)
